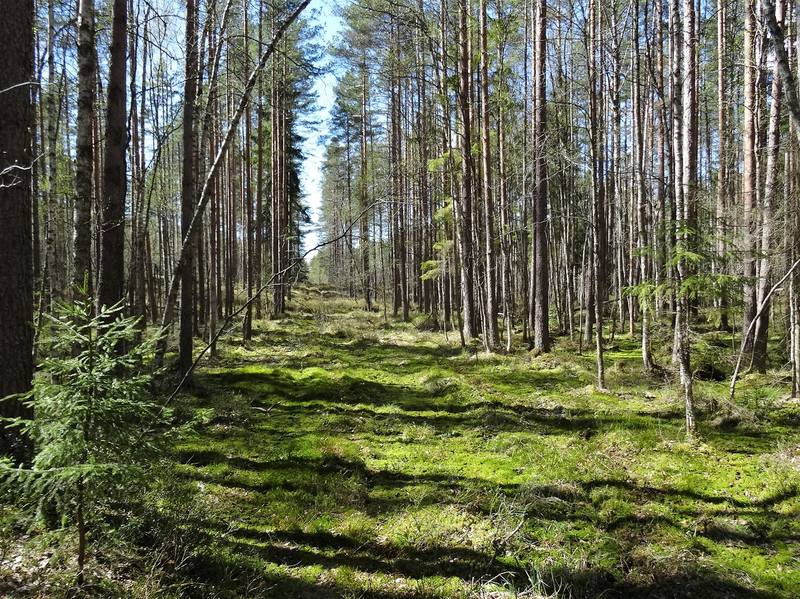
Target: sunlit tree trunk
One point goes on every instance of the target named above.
(769, 197)
(541, 254)
(749, 167)
(640, 184)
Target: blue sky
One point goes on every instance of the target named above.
(314, 149)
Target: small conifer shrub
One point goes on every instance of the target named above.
(97, 429)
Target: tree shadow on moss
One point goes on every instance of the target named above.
(376, 406)
(238, 561)
(293, 548)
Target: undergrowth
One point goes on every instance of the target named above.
(347, 455)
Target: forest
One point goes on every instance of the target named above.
(393, 299)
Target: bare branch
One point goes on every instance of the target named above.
(258, 293)
(169, 307)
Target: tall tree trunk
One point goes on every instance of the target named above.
(541, 253)
(723, 184)
(749, 166)
(16, 244)
(247, 191)
(465, 199)
(597, 191)
(770, 184)
(641, 241)
(111, 283)
(53, 105)
(259, 224)
(364, 224)
(685, 190)
(492, 337)
(186, 336)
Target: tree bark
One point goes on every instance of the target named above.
(465, 199)
(597, 191)
(722, 153)
(541, 322)
(770, 184)
(641, 239)
(364, 225)
(111, 283)
(683, 80)
(186, 335)
(749, 166)
(492, 337)
(16, 244)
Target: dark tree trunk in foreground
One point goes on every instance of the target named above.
(16, 244)
(111, 281)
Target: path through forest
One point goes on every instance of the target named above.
(343, 457)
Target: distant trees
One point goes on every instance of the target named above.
(583, 169)
(510, 169)
(283, 181)
(130, 151)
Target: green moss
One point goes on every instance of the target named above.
(345, 457)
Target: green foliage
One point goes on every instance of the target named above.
(644, 292)
(431, 269)
(699, 283)
(453, 156)
(444, 246)
(683, 254)
(97, 430)
(445, 213)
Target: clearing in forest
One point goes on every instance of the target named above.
(341, 456)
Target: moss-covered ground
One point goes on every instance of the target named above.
(343, 456)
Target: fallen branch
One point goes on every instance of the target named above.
(746, 336)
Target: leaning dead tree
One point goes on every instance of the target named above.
(194, 224)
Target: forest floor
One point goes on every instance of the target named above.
(347, 457)
(343, 456)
